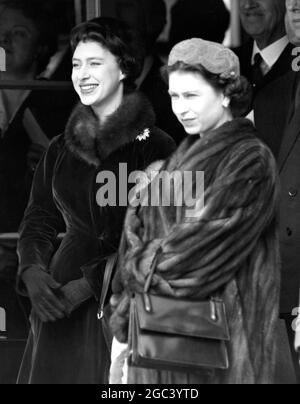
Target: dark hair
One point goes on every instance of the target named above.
(123, 42)
(147, 16)
(208, 20)
(155, 12)
(48, 35)
(237, 89)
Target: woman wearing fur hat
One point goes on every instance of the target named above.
(111, 125)
(230, 248)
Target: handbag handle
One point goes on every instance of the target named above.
(147, 301)
(109, 267)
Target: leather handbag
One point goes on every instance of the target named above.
(104, 310)
(179, 335)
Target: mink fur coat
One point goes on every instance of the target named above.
(230, 248)
(64, 193)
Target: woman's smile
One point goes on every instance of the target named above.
(97, 78)
(87, 89)
(190, 121)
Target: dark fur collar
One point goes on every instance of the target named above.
(92, 142)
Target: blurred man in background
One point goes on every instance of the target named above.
(277, 117)
(265, 59)
(292, 137)
(268, 53)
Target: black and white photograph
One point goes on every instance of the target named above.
(149, 195)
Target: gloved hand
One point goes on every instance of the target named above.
(41, 290)
(8, 264)
(75, 293)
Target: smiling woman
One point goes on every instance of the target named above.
(97, 78)
(103, 131)
(101, 74)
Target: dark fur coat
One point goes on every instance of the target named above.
(93, 141)
(73, 350)
(230, 248)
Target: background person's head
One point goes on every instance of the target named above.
(263, 20)
(293, 21)
(208, 20)
(28, 37)
(205, 85)
(107, 59)
(149, 17)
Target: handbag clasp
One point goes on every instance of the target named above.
(147, 303)
(100, 315)
(213, 309)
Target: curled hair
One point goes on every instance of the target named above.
(240, 93)
(120, 40)
(237, 89)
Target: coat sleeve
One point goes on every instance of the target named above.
(42, 220)
(297, 337)
(158, 149)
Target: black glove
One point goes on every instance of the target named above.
(8, 264)
(41, 289)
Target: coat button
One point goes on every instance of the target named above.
(293, 192)
(289, 232)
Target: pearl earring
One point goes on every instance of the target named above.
(226, 103)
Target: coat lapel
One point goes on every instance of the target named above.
(291, 136)
(282, 66)
(90, 140)
(245, 58)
